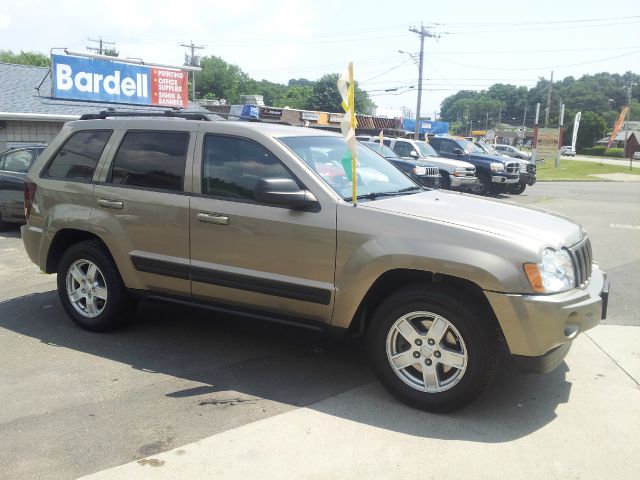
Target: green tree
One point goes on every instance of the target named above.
(221, 79)
(296, 96)
(35, 59)
(591, 129)
(325, 96)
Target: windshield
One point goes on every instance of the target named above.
(426, 150)
(468, 147)
(381, 149)
(331, 159)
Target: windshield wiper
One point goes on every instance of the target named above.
(374, 195)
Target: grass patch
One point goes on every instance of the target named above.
(577, 170)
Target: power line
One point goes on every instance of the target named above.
(543, 22)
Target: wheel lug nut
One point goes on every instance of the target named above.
(431, 341)
(416, 354)
(427, 362)
(418, 342)
(436, 354)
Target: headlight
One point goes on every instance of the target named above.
(553, 274)
(460, 172)
(420, 170)
(497, 167)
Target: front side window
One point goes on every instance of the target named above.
(426, 150)
(330, 157)
(231, 167)
(78, 158)
(151, 159)
(403, 149)
(18, 161)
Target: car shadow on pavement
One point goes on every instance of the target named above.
(10, 231)
(284, 364)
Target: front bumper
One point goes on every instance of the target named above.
(430, 181)
(503, 178)
(527, 179)
(462, 182)
(539, 329)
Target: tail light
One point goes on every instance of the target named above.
(29, 194)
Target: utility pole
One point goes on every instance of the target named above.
(423, 32)
(546, 114)
(192, 61)
(100, 49)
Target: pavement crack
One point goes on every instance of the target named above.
(613, 360)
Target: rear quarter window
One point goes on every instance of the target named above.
(78, 157)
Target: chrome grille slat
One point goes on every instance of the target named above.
(582, 258)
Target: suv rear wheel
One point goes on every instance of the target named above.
(431, 351)
(90, 288)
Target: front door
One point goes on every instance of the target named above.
(246, 254)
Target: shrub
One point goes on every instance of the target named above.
(597, 151)
(614, 152)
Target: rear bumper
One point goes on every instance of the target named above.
(32, 239)
(540, 328)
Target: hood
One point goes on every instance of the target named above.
(492, 216)
(447, 161)
(487, 157)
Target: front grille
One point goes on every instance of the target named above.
(432, 171)
(582, 260)
(512, 168)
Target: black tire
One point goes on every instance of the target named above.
(445, 181)
(116, 308)
(479, 340)
(482, 186)
(517, 188)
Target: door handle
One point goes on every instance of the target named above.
(212, 218)
(113, 204)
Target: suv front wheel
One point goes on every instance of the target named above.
(90, 288)
(431, 351)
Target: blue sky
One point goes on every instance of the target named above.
(480, 43)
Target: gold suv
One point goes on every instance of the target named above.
(258, 219)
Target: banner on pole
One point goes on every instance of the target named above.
(348, 125)
(617, 126)
(576, 125)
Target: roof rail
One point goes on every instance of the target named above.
(166, 113)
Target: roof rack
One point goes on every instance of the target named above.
(166, 113)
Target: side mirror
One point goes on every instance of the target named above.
(458, 151)
(283, 191)
(413, 154)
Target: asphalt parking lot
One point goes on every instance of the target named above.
(183, 393)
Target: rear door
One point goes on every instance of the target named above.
(263, 258)
(142, 207)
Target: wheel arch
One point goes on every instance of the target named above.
(397, 279)
(61, 242)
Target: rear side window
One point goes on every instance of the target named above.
(154, 160)
(232, 166)
(78, 158)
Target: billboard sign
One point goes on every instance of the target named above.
(99, 80)
(548, 143)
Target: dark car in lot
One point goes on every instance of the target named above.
(495, 173)
(424, 173)
(14, 165)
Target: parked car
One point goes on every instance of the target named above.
(495, 173)
(510, 151)
(568, 151)
(236, 217)
(527, 172)
(455, 174)
(424, 173)
(14, 165)
(636, 155)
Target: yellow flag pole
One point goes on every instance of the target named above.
(354, 155)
